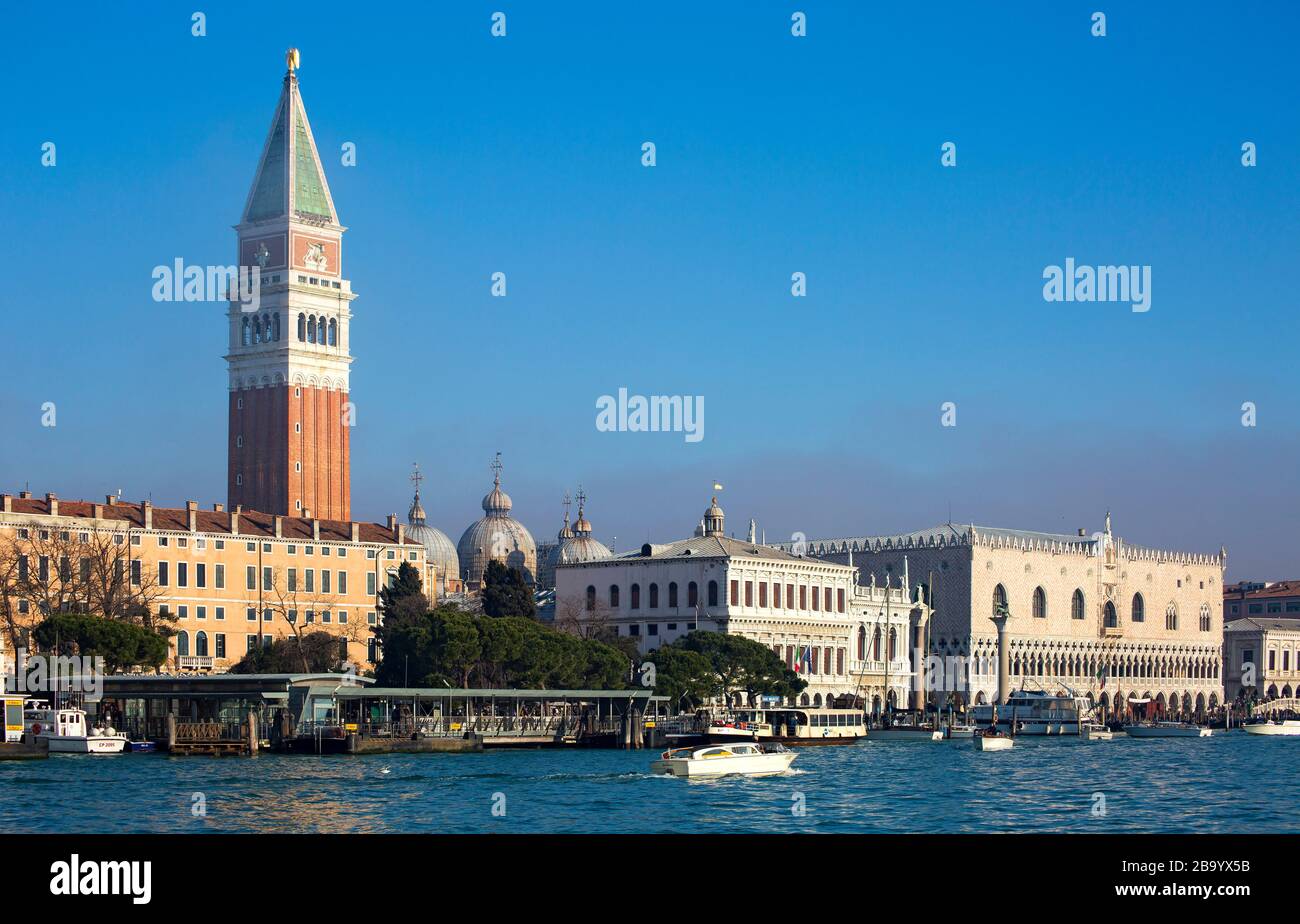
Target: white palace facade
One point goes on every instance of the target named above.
(846, 639)
(1088, 613)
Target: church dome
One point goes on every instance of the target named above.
(580, 546)
(438, 547)
(497, 536)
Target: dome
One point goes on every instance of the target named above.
(714, 520)
(437, 545)
(496, 537)
(579, 546)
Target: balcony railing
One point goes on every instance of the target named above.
(194, 662)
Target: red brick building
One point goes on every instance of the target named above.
(290, 413)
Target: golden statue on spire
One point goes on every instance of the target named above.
(292, 60)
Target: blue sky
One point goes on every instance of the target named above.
(775, 154)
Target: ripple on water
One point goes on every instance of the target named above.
(1218, 784)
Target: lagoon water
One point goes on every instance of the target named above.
(1227, 783)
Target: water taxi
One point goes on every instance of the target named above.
(724, 760)
(959, 730)
(904, 732)
(1035, 713)
(1094, 732)
(990, 739)
(64, 731)
(1287, 727)
(1167, 730)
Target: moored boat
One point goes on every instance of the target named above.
(742, 759)
(1035, 713)
(795, 726)
(63, 731)
(1092, 732)
(907, 733)
(1285, 728)
(959, 730)
(1167, 730)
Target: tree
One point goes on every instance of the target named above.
(122, 645)
(288, 598)
(506, 593)
(686, 677)
(742, 664)
(404, 598)
(314, 652)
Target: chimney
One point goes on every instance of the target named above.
(25, 495)
(279, 526)
(392, 522)
(218, 508)
(1082, 531)
(315, 529)
(110, 499)
(99, 511)
(146, 508)
(401, 533)
(356, 531)
(8, 502)
(234, 520)
(192, 513)
(53, 501)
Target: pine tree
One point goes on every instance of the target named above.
(505, 593)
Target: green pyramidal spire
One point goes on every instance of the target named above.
(290, 182)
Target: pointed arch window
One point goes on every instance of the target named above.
(1040, 603)
(1171, 616)
(1206, 618)
(1110, 616)
(1138, 612)
(999, 600)
(862, 643)
(1076, 604)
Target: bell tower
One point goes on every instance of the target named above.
(288, 359)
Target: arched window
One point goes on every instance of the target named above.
(201, 644)
(1110, 616)
(1040, 603)
(654, 596)
(302, 328)
(182, 643)
(591, 598)
(893, 644)
(1171, 616)
(275, 319)
(1076, 605)
(333, 333)
(999, 600)
(862, 643)
(635, 596)
(692, 594)
(613, 595)
(875, 645)
(246, 337)
(257, 330)
(1138, 613)
(713, 593)
(1206, 620)
(672, 594)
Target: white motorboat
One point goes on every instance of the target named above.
(725, 760)
(1167, 730)
(959, 731)
(1287, 727)
(796, 726)
(993, 740)
(1034, 713)
(65, 732)
(1096, 733)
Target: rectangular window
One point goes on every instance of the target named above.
(250, 576)
(803, 597)
(200, 612)
(840, 599)
(309, 577)
(293, 580)
(268, 578)
(221, 644)
(219, 577)
(370, 618)
(325, 616)
(182, 612)
(135, 572)
(816, 599)
(252, 642)
(735, 593)
(221, 612)
(749, 593)
(814, 660)
(1272, 660)
(343, 617)
(370, 584)
(251, 614)
(324, 580)
(826, 598)
(182, 574)
(343, 582)
(652, 629)
(200, 575)
(762, 594)
(839, 661)
(162, 574)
